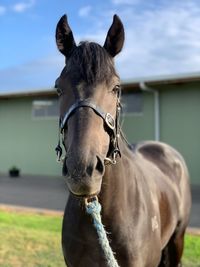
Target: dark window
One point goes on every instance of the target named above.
(46, 108)
(132, 103)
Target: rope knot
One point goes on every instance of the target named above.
(93, 207)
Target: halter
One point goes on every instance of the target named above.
(112, 127)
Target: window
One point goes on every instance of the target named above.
(132, 103)
(47, 108)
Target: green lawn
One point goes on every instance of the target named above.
(192, 251)
(29, 240)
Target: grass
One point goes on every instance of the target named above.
(29, 240)
(192, 251)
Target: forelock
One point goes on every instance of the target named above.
(92, 62)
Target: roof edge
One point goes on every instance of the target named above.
(127, 85)
(39, 93)
(163, 80)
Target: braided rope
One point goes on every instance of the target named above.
(94, 209)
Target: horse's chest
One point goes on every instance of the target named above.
(137, 245)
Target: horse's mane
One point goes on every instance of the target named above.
(92, 62)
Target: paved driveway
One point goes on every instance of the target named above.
(34, 191)
(51, 193)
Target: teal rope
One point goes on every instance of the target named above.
(94, 209)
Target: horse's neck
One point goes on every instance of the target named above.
(117, 181)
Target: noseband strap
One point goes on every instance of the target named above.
(107, 117)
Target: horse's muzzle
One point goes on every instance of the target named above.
(83, 179)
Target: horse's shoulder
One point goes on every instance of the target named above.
(151, 149)
(162, 155)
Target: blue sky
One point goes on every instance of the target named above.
(162, 37)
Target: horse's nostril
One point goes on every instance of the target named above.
(89, 170)
(100, 165)
(64, 169)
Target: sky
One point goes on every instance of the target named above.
(162, 38)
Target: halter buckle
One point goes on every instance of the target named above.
(110, 121)
(58, 150)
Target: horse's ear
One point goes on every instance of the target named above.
(64, 36)
(115, 37)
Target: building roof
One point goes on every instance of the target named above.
(37, 93)
(130, 84)
(162, 80)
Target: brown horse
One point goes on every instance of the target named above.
(144, 192)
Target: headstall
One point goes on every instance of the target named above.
(111, 125)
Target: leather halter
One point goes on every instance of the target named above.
(111, 123)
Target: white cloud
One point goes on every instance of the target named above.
(160, 40)
(84, 11)
(165, 40)
(34, 75)
(2, 10)
(23, 6)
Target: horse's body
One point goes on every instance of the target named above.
(146, 202)
(145, 197)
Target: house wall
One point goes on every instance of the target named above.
(140, 126)
(29, 143)
(26, 142)
(179, 122)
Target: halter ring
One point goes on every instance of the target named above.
(87, 200)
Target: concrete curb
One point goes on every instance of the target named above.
(193, 231)
(29, 210)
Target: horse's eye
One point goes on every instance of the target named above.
(116, 89)
(59, 91)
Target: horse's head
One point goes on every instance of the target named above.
(88, 89)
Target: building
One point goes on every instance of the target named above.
(162, 108)
(29, 132)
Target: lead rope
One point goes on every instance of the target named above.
(93, 208)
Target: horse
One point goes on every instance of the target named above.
(144, 191)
